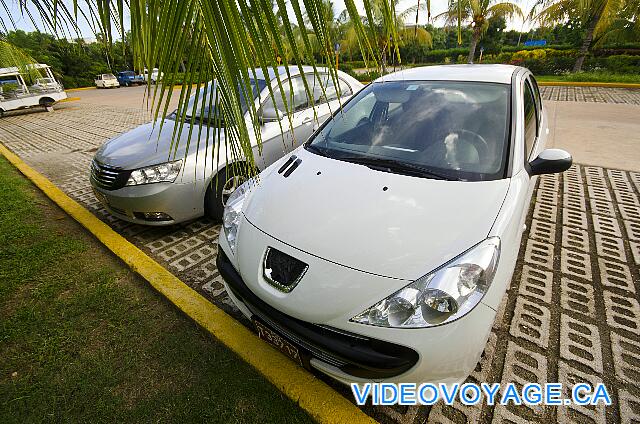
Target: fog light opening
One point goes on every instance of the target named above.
(153, 216)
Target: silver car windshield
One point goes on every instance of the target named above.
(436, 129)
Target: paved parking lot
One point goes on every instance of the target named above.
(571, 313)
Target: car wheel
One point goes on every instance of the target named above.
(220, 189)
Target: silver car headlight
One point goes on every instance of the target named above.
(162, 173)
(441, 296)
(232, 214)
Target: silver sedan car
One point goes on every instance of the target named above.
(138, 178)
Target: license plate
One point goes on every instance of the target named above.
(279, 342)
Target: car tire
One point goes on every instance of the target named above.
(221, 186)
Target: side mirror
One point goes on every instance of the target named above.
(270, 114)
(550, 161)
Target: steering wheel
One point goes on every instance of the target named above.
(477, 141)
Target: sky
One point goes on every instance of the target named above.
(437, 6)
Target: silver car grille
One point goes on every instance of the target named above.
(107, 177)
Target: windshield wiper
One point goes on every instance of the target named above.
(396, 166)
(316, 149)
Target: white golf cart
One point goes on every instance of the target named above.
(15, 94)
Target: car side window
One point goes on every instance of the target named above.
(536, 92)
(296, 98)
(530, 120)
(330, 91)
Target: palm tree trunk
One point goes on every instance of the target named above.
(586, 43)
(473, 45)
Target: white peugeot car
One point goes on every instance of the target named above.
(381, 249)
(147, 177)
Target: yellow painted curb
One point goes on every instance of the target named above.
(69, 99)
(318, 399)
(80, 89)
(589, 84)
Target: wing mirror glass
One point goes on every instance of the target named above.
(270, 114)
(550, 161)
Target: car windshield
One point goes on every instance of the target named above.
(45, 81)
(108, 76)
(435, 129)
(127, 74)
(205, 98)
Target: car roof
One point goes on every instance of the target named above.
(471, 72)
(282, 71)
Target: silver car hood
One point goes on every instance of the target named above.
(148, 145)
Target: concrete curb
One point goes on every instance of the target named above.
(80, 89)
(319, 400)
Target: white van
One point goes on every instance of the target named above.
(15, 94)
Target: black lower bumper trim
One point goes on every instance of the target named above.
(353, 354)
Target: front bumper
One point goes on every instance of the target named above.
(181, 202)
(352, 354)
(445, 354)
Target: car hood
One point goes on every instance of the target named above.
(147, 145)
(378, 222)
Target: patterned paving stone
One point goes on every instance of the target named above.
(539, 253)
(580, 342)
(616, 275)
(523, 366)
(578, 413)
(626, 353)
(591, 94)
(543, 231)
(577, 296)
(531, 322)
(575, 218)
(575, 264)
(571, 313)
(536, 283)
(629, 407)
(623, 312)
(575, 238)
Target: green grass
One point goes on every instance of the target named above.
(83, 339)
(592, 77)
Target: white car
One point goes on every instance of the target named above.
(106, 81)
(381, 248)
(154, 76)
(138, 179)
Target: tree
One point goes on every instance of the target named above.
(386, 34)
(478, 12)
(596, 16)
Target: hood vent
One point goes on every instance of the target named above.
(289, 161)
(289, 166)
(292, 168)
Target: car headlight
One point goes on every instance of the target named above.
(233, 213)
(441, 296)
(161, 173)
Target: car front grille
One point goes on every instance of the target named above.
(282, 271)
(107, 177)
